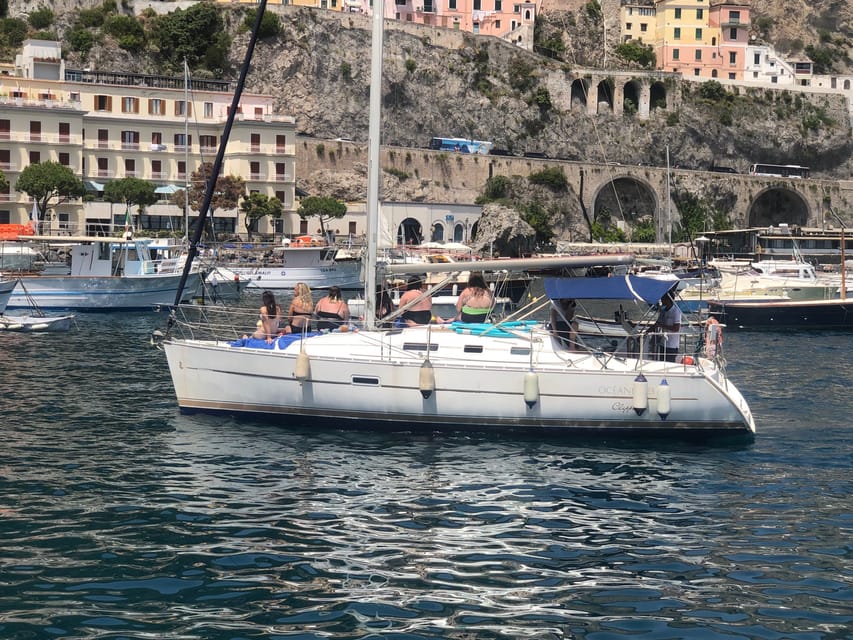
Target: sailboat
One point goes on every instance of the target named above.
(514, 375)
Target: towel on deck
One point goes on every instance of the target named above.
(282, 342)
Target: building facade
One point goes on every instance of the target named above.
(105, 126)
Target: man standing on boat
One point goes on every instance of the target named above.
(669, 323)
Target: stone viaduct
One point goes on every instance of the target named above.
(628, 192)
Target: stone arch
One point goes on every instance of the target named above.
(625, 199)
(410, 231)
(631, 95)
(777, 204)
(657, 96)
(579, 93)
(604, 96)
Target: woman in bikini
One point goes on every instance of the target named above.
(421, 311)
(332, 311)
(475, 303)
(301, 309)
(270, 318)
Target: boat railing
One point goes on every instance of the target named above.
(212, 322)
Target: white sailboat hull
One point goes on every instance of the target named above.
(365, 379)
(99, 292)
(345, 276)
(6, 289)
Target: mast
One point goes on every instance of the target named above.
(210, 186)
(186, 152)
(373, 171)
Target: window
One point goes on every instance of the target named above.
(478, 5)
(156, 107)
(103, 103)
(733, 57)
(695, 72)
(280, 196)
(103, 168)
(675, 54)
(451, 4)
(497, 24)
(281, 144)
(676, 33)
(255, 144)
(5, 159)
(254, 170)
(733, 33)
(183, 140)
(129, 105)
(733, 76)
(698, 54)
(129, 167)
(280, 171)
(644, 27)
(64, 132)
(103, 138)
(207, 142)
(208, 109)
(5, 129)
(498, 5)
(35, 130)
(700, 13)
(678, 14)
(628, 26)
(734, 16)
(157, 169)
(183, 108)
(756, 58)
(182, 170)
(130, 140)
(699, 33)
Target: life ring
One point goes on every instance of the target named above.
(713, 337)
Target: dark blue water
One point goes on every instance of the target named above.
(120, 518)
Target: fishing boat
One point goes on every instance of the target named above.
(514, 375)
(283, 267)
(103, 274)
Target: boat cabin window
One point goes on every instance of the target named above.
(371, 381)
(419, 346)
(520, 351)
(473, 348)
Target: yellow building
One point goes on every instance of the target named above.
(106, 126)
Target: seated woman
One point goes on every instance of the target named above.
(270, 318)
(563, 323)
(384, 306)
(475, 303)
(332, 311)
(421, 311)
(301, 309)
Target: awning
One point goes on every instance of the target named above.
(649, 290)
(91, 185)
(168, 188)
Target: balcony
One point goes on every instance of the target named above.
(256, 177)
(105, 173)
(255, 148)
(7, 166)
(103, 144)
(35, 137)
(281, 177)
(130, 146)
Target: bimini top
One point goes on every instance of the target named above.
(649, 290)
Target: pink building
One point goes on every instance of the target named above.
(510, 20)
(731, 20)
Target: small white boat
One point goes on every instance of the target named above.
(36, 323)
(6, 288)
(104, 274)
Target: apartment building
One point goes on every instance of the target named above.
(106, 126)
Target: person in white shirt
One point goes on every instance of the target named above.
(669, 323)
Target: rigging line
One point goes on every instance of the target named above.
(220, 154)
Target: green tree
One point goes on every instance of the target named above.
(127, 30)
(49, 184)
(226, 194)
(13, 32)
(270, 23)
(258, 205)
(186, 34)
(642, 54)
(41, 18)
(324, 208)
(131, 191)
(538, 217)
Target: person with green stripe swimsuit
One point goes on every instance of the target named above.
(476, 302)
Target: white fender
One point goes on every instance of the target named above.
(641, 394)
(302, 371)
(531, 389)
(426, 382)
(664, 399)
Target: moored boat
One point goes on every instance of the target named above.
(785, 314)
(284, 266)
(104, 274)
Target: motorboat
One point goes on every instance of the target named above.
(282, 267)
(512, 375)
(103, 274)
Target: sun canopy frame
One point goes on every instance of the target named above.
(628, 287)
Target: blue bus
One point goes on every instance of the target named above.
(462, 145)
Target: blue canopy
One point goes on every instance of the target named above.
(649, 290)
